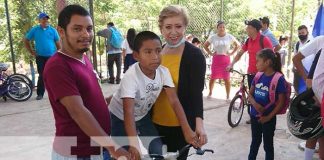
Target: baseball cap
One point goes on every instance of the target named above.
(265, 20)
(43, 15)
(254, 23)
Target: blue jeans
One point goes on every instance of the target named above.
(267, 131)
(146, 132)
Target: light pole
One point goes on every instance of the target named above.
(10, 37)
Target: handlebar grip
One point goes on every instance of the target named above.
(209, 150)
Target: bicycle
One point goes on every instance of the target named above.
(16, 76)
(174, 155)
(238, 102)
(13, 87)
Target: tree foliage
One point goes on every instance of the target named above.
(143, 15)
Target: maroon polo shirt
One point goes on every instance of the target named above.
(66, 76)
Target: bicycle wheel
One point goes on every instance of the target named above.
(22, 77)
(19, 90)
(235, 111)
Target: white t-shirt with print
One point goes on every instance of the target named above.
(221, 45)
(125, 45)
(135, 84)
(308, 60)
(312, 48)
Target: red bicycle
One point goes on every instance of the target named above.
(239, 102)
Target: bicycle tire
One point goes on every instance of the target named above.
(18, 76)
(232, 109)
(19, 90)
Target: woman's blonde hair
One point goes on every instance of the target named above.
(171, 11)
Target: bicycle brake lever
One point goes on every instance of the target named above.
(199, 151)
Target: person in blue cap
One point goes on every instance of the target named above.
(47, 42)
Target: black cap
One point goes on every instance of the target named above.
(265, 20)
(254, 23)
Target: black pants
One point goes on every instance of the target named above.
(114, 58)
(265, 131)
(40, 61)
(250, 79)
(173, 138)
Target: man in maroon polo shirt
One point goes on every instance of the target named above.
(78, 104)
(253, 45)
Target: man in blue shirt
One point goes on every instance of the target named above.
(114, 54)
(265, 22)
(47, 42)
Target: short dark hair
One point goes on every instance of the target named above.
(195, 40)
(110, 24)
(302, 27)
(219, 23)
(65, 15)
(254, 23)
(144, 36)
(265, 20)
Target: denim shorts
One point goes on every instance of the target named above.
(146, 132)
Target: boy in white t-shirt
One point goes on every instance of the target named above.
(317, 82)
(141, 85)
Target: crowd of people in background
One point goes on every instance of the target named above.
(161, 91)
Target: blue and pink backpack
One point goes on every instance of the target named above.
(272, 91)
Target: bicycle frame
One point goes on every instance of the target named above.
(243, 88)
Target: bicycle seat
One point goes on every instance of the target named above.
(3, 66)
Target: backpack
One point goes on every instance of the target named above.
(260, 42)
(116, 38)
(298, 43)
(272, 91)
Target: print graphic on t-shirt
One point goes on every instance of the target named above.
(148, 100)
(152, 87)
(261, 92)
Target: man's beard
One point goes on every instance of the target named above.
(83, 50)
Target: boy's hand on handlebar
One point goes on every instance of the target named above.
(121, 154)
(135, 154)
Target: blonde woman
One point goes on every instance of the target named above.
(187, 66)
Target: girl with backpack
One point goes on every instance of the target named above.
(263, 112)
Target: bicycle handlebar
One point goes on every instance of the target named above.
(198, 151)
(238, 72)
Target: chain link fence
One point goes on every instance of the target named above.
(143, 15)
